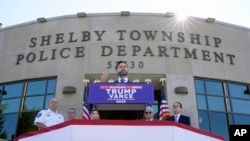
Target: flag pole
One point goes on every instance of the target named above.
(85, 83)
(85, 108)
(93, 105)
(164, 109)
(162, 80)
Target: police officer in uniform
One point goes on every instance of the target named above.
(46, 118)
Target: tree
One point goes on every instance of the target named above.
(25, 122)
(3, 133)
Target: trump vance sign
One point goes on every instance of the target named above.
(121, 93)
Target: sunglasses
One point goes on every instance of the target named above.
(148, 112)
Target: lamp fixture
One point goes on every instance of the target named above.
(69, 90)
(41, 20)
(3, 92)
(136, 80)
(97, 81)
(111, 81)
(148, 80)
(162, 80)
(210, 20)
(125, 13)
(170, 14)
(85, 82)
(181, 90)
(247, 91)
(81, 14)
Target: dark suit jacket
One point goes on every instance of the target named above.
(182, 119)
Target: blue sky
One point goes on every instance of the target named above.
(14, 12)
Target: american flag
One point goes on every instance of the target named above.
(86, 106)
(93, 107)
(164, 109)
(149, 105)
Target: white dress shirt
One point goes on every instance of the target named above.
(125, 80)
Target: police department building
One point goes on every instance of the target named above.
(204, 62)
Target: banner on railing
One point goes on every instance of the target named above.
(121, 93)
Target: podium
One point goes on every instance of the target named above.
(119, 130)
(121, 93)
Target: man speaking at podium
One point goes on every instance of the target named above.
(122, 73)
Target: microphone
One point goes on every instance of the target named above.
(120, 74)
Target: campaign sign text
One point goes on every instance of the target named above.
(121, 93)
(239, 132)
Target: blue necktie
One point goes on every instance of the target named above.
(122, 80)
(176, 118)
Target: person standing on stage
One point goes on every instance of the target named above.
(71, 113)
(49, 117)
(178, 117)
(122, 73)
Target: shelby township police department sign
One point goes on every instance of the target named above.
(138, 48)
